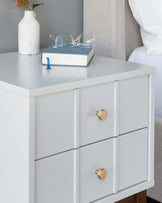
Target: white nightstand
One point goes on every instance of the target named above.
(75, 135)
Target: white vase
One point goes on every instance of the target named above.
(29, 34)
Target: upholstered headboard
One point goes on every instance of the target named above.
(111, 21)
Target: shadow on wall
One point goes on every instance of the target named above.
(54, 17)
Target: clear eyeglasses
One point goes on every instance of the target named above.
(65, 39)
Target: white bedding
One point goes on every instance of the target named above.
(149, 16)
(139, 56)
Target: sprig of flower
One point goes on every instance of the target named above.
(26, 4)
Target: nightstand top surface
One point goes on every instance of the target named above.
(27, 73)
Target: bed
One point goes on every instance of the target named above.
(139, 56)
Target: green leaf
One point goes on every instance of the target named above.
(36, 5)
(28, 5)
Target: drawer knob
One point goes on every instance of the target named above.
(101, 173)
(102, 114)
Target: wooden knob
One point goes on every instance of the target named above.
(102, 114)
(101, 173)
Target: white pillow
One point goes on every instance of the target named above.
(148, 14)
(157, 4)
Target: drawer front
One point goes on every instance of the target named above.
(92, 100)
(55, 179)
(133, 104)
(132, 158)
(54, 123)
(95, 157)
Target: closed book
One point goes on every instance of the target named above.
(67, 55)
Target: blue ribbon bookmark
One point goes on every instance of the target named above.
(48, 64)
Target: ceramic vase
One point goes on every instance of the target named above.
(29, 34)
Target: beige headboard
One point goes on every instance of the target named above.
(116, 31)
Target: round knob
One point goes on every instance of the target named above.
(101, 173)
(102, 114)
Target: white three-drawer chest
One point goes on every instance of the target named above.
(75, 135)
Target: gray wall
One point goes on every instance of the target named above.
(54, 17)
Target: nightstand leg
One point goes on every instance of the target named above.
(137, 198)
(140, 197)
